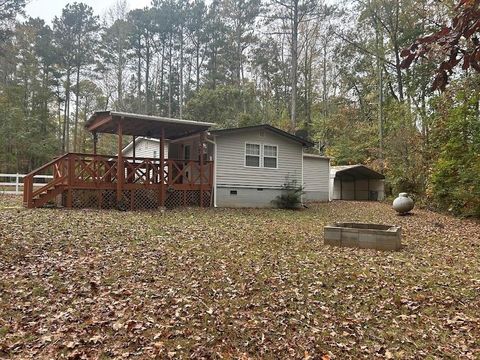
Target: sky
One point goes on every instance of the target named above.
(48, 9)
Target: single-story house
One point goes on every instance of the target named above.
(356, 182)
(175, 162)
(250, 164)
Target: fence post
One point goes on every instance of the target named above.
(16, 184)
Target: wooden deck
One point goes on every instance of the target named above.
(103, 182)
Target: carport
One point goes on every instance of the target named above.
(356, 182)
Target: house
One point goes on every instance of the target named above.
(145, 147)
(175, 162)
(252, 164)
(356, 182)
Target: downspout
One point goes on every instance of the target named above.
(330, 182)
(303, 184)
(214, 169)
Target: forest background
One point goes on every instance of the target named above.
(351, 76)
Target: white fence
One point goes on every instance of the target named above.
(13, 183)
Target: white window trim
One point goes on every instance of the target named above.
(261, 156)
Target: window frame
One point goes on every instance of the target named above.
(261, 160)
(259, 155)
(272, 157)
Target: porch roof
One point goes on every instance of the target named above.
(143, 125)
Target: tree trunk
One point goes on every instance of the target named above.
(294, 65)
(147, 75)
(66, 116)
(170, 77)
(139, 75)
(180, 102)
(77, 98)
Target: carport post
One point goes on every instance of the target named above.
(354, 188)
(368, 188)
(341, 188)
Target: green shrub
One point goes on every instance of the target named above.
(291, 197)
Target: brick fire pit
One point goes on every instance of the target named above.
(363, 235)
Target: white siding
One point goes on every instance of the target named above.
(145, 148)
(316, 172)
(231, 169)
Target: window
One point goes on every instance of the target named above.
(154, 154)
(270, 156)
(252, 155)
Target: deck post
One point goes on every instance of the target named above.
(71, 173)
(162, 166)
(202, 139)
(95, 140)
(120, 164)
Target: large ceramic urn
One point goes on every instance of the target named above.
(403, 204)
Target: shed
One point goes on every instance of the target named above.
(356, 182)
(316, 170)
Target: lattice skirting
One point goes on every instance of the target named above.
(139, 199)
(184, 198)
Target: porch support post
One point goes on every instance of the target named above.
(95, 141)
(134, 138)
(120, 169)
(162, 168)
(202, 140)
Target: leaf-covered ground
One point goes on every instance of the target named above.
(223, 283)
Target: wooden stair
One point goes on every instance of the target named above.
(47, 196)
(33, 198)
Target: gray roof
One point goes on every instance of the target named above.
(148, 117)
(143, 125)
(358, 171)
(265, 127)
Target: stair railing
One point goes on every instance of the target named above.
(58, 167)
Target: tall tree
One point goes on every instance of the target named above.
(114, 52)
(85, 28)
(292, 13)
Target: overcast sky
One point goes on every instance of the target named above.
(48, 9)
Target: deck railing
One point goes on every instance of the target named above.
(87, 171)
